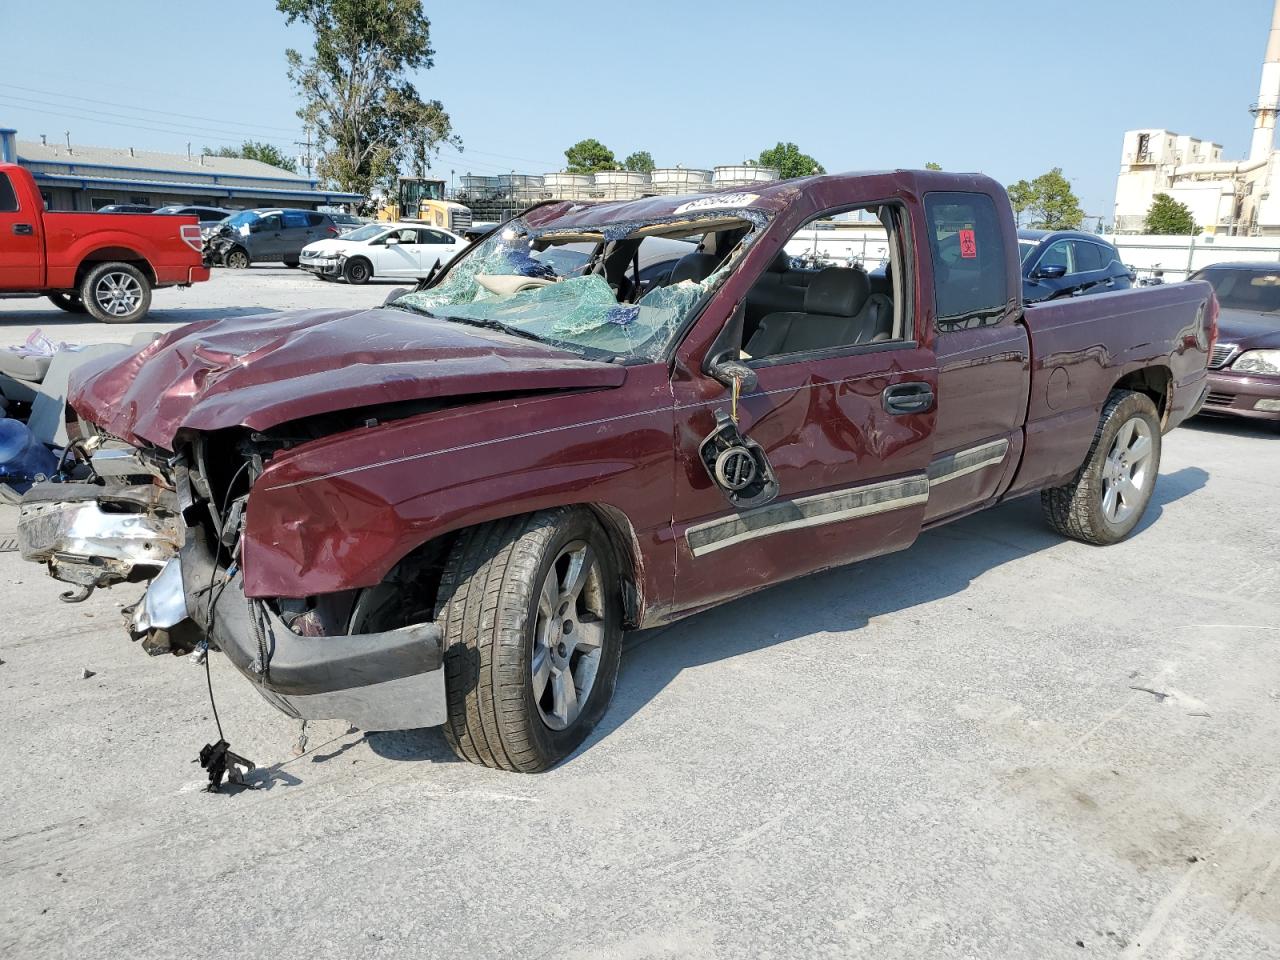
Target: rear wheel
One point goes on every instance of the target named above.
(1109, 495)
(358, 270)
(116, 293)
(531, 615)
(236, 259)
(291, 264)
(69, 302)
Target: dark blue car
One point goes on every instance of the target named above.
(1066, 263)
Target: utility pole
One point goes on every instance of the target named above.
(306, 157)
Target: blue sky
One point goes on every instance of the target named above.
(1007, 88)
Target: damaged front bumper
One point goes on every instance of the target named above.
(378, 681)
(95, 536)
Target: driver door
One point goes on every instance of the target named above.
(849, 455)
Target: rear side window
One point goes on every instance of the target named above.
(294, 219)
(8, 199)
(970, 285)
(1089, 256)
(434, 236)
(315, 219)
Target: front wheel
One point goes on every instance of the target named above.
(1109, 495)
(358, 270)
(532, 621)
(236, 259)
(116, 293)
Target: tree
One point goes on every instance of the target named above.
(1167, 216)
(256, 150)
(933, 166)
(1047, 202)
(787, 159)
(641, 162)
(590, 155)
(368, 117)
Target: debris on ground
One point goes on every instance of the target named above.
(86, 673)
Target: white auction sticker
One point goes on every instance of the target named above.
(719, 202)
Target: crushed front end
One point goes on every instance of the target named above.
(124, 514)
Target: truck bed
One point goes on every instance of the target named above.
(1081, 347)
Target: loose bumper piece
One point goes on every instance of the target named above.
(96, 536)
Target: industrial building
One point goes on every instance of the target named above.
(75, 177)
(1231, 197)
(496, 198)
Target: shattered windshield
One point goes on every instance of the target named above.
(620, 289)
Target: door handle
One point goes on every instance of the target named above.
(902, 398)
(22, 230)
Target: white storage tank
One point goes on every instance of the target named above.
(676, 180)
(739, 174)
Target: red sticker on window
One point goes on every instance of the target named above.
(968, 245)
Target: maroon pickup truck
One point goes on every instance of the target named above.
(447, 510)
(103, 264)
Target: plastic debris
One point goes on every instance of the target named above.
(86, 673)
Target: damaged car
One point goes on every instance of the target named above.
(447, 510)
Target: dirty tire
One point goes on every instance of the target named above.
(489, 602)
(69, 302)
(292, 264)
(116, 293)
(358, 270)
(1076, 509)
(236, 259)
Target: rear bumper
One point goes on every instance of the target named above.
(1233, 395)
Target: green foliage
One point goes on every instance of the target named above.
(1046, 203)
(789, 161)
(640, 162)
(590, 155)
(356, 95)
(256, 150)
(933, 166)
(1168, 216)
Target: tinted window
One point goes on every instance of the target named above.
(315, 219)
(271, 222)
(1256, 290)
(434, 236)
(8, 199)
(294, 219)
(1089, 256)
(969, 282)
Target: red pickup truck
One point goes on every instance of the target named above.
(103, 264)
(447, 510)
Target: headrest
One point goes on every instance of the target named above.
(837, 292)
(693, 266)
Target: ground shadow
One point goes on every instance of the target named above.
(1232, 426)
(942, 563)
(52, 319)
(426, 743)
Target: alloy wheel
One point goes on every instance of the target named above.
(118, 293)
(1126, 473)
(568, 635)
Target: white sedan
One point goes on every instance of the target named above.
(401, 250)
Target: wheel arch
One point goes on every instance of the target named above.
(1156, 381)
(114, 254)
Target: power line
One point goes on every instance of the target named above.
(134, 107)
(185, 129)
(170, 131)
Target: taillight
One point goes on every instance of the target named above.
(190, 233)
(333, 231)
(1211, 319)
